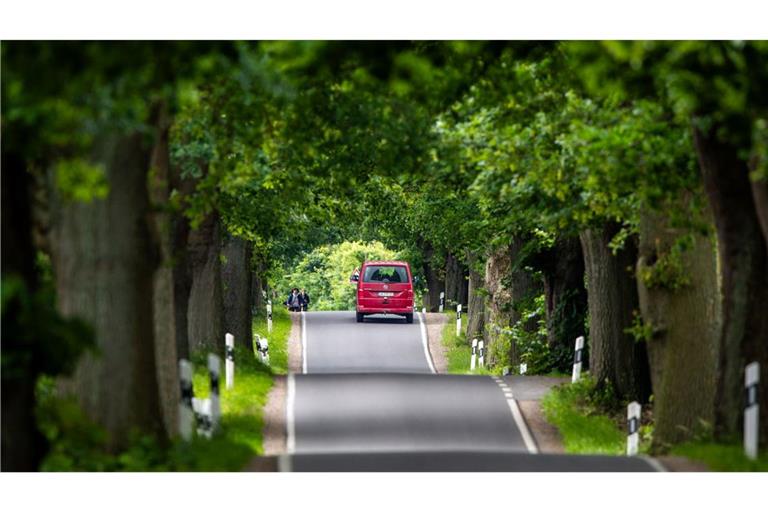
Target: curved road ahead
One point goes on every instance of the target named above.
(369, 400)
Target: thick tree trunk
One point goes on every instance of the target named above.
(434, 283)
(744, 268)
(236, 284)
(686, 327)
(476, 303)
(565, 297)
(105, 260)
(23, 446)
(205, 313)
(182, 268)
(453, 277)
(510, 287)
(164, 284)
(615, 357)
(499, 306)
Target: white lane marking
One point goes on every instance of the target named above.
(656, 465)
(284, 463)
(424, 342)
(290, 425)
(303, 343)
(522, 426)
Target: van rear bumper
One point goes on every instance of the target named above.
(380, 310)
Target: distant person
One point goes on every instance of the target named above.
(294, 300)
(304, 296)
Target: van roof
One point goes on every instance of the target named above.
(385, 262)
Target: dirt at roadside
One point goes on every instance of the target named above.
(434, 323)
(274, 410)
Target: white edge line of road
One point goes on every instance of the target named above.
(656, 465)
(424, 341)
(303, 343)
(290, 425)
(522, 426)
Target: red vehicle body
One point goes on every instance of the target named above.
(385, 287)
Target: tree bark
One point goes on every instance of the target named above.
(565, 297)
(744, 268)
(434, 283)
(509, 286)
(476, 303)
(164, 282)
(615, 357)
(236, 284)
(205, 313)
(105, 260)
(685, 327)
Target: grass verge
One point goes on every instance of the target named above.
(721, 457)
(584, 428)
(77, 444)
(459, 351)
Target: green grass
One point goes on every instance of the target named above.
(721, 457)
(459, 351)
(583, 428)
(77, 444)
(278, 338)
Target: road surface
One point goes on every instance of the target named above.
(369, 400)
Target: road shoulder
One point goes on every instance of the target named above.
(434, 323)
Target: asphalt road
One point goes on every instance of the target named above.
(369, 401)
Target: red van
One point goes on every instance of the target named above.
(385, 287)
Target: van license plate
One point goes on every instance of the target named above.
(386, 294)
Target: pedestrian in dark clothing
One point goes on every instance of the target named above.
(304, 296)
(294, 300)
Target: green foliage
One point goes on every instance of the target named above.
(641, 330)
(78, 444)
(577, 412)
(459, 350)
(721, 457)
(668, 270)
(81, 181)
(36, 338)
(325, 272)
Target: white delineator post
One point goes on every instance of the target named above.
(229, 365)
(458, 319)
(269, 316)
(264, 350)
(577, 357)
(523, 368)
(633, 427)
(442, 301)
(186, 413)
(473, 360)
(214, 367)
(481, 349)
(751, 410)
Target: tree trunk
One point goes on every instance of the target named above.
(509, 286)
(164, 284)
(434, 283)
(685, 326)
(565, 298)
(23, 446)
(236, 284)
(453, 278)
(205, 312)
(615, 357)
(105, 260)
(476, 303)
(744, 267)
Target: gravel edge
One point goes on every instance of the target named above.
(434, 323)
(274, 431)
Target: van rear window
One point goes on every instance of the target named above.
(385, 274)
